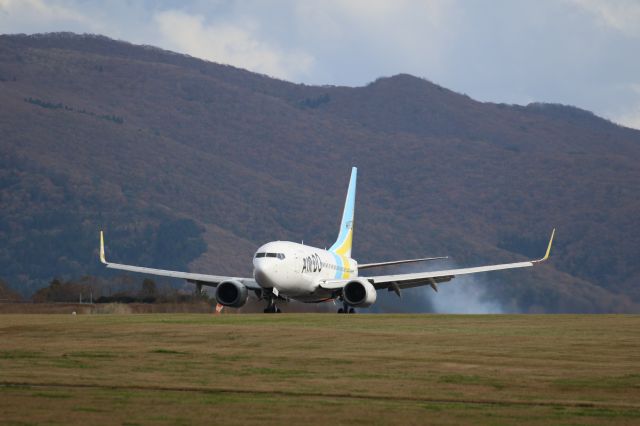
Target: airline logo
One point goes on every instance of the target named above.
(312, 263)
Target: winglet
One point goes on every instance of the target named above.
(102, 259)
(546, 255)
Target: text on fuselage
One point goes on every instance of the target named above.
(312, 263)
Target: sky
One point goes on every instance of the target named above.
(584, 53)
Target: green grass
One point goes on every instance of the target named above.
(316, 369)
(165, 351)
(18, 354)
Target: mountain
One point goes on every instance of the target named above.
(191, 164)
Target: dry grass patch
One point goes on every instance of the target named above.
(320, 368)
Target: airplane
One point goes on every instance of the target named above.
(284, 270)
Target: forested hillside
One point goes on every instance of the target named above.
(190, 164)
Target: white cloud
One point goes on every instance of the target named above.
(622, 15)
(631, 116)
(630, 119)
(579, 52)
(365, 39)
(373, 13)
(237, 44)
(39, 15)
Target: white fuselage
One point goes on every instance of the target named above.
(296, 270)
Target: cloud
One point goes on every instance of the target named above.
(38, 15)
(361, 40)
(578, 52)
(630, 117)
(621, 15)
(237, 44)
(373, 15)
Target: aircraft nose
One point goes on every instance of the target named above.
(263, 272)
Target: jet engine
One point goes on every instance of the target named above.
(359, 293)
(232, 293)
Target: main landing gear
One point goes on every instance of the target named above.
(346, 309)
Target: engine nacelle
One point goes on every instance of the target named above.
(359, 293)
(232, 293)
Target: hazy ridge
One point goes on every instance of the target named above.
(187, 163)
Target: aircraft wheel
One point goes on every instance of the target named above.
(352, 311)
(341, 311)
(277, 310)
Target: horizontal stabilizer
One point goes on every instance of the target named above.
(399, 262)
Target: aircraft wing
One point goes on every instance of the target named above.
(399, 281)
(202, 279)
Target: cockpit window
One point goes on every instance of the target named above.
(277, 255)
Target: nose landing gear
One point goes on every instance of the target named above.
(271, 305)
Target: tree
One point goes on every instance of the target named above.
(59, 291)
(149, 291)
(6, 294)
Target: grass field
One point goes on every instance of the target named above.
(319, 368)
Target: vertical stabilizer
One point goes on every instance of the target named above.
(342, 246)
